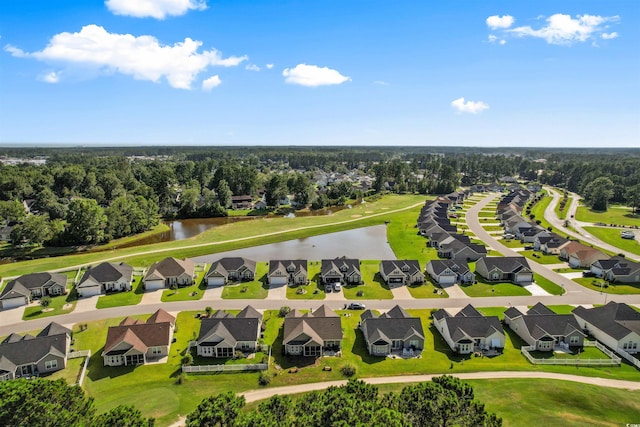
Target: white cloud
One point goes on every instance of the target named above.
(381, 83)
(211, 82)
(158, 9)
(609, 36)
(312, 75)
(269, 66)
(51, 77)
(564, 30)
(496, 21)
(252, 67)
(142, 57)
(503, 42)
(473, 107)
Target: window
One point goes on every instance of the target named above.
(156, 350)
(114, 360)
(574, 339)
(50, 364)
(414, 344)
(396, 344)
(379, 349)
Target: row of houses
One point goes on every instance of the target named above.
(515, 270)
(319, 333)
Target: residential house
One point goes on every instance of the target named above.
(230, 269)
(340, 270)
(169, 272)
(448, 272)
(241, 202)
(530, 235)
(624, 271)
(223, 334)
(28, 356)
(469, 330)
(394, 330)
(616, 325)
(22, 290)
(543, 329)
(283, 272)
(554, 245)
(579, 255)
(600, 267)
(105, 277)
(541, 242)
(134, 342)
(401, 272)
(312, 334)
(505, 269)
(457, 249)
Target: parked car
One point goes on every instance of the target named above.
(588, 274)
(356, 306)
(528, 248)
(626, 234)
(328, 288)
(600, 224)
(337, 287)
(509, 236)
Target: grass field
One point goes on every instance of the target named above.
(538, 210)
(612, 237)
(611, 288)
(255, 289)
(374, 287)
(187, 293)
(547, 285)
(620, 215)
(118, 299)
(486, 289)
(540, 258)
(62, 304)
(240, 235)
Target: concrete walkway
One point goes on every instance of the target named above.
(86, 304)
(401, 293)
(277, 292)
(213, 293)
(454, 291)
(536, 290)
(152, 297)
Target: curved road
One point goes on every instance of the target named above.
(579, 233)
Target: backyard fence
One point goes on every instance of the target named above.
(82, 353)
(630, 358)
(612, 361)
(226, 368)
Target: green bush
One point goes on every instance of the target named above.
(348, 370)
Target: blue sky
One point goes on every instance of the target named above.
(326, 72)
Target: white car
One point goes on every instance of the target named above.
(337, 287)
(627, 234)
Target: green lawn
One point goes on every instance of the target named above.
(511, 243)
(314, 290)
(562, 214)
(118, 299)
(538, 210)
(612, 237)
(62, 304)
(548, 285)
(492, 227)
(540, 258)
(187, 293)
(620, 215)
(611, 288)
(568, 270)
(487, 214)
(486, 289)
(255, 289)
(71, 374)
(427, 290)
(374, 287)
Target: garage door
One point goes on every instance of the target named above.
(278, 280)
(13, 302)
(525, 277)
(447, 280)
(215, 281)
(89, 291)
(151, 285)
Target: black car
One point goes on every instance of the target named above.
(588, 274)
(356, 306)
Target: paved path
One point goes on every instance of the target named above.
(86, 304)
(152, 297)
(277, 293)
(401, 293)
(214, 293)
(579, 233)
(454, 291)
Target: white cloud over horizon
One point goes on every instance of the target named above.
(51, 77)
(495, 21)
(158, 9)
(312, 76)
(558, 29)
(141, 57)
(472, 107)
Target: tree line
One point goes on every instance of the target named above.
(444, 401)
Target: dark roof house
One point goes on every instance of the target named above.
(393, 331)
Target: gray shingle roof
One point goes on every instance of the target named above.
(409, 267)
(15, 352)
(23, 285)
(107, 272)
(505, 264)
(224, 265)
(615, 319)
(345, 266)
(231, 329)
(170, 267)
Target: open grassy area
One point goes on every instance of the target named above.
(609, 288)
(568, 270)
(187, 293)
(314, 290)
(374, 287)
(619, 215)
(70, 374)
(239, 235)
(487, 214)
(62, 304)
(562, 213)
(486, 289)
(540, 258)
(547, 285)
(512, 243)
(492, 227)
(538, 210)
(118, 299)
(612, 237)
(427, 290)
(255, 289)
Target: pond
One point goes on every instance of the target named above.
(361, 243)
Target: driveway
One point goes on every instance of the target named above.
(401, 293)
(213, 293)
(152, 297)
(86, 304)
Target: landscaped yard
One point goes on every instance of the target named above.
(547, 285)
(187, 293)
(609, 288)
(511, 243)
(619, 215)
(538, 211)
(492, 227)
(314, 290)
(540, 257)
(486, 289)
(568, 270)
(62, 304)
(255, 289)
(427, 290)
(118, 299)
(612, 237)
(374, 287)
(487, 214)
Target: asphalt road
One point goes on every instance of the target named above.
(575, 294)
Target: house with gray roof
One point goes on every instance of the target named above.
(223, 334)
(505, 269)
(169, 272)
(623, 271)
(22, 290)
(470, 331)
(312, 334)
(340, 270)
(616, 325)
(543, 329)
(392, 331)
(456, 247)
(448, 272)
(401, 272)
(136, 342)
(105, 278)
(283, 272)
(28, 356)
(230, 269)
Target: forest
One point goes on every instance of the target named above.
(84, 196)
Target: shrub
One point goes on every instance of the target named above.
(348, 370)
(264, 379)
(187, 359)
(360, 293)
(45, 301)
(284, 311)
